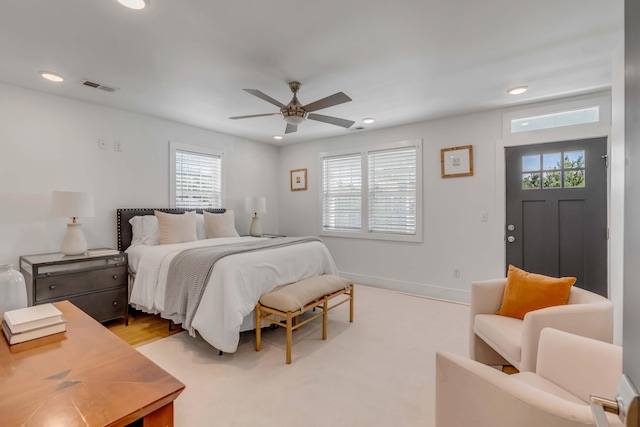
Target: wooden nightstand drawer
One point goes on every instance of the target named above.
(104, 305)
(62, 285)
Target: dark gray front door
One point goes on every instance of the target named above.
(557, 210)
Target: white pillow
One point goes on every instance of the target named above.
(176, 228)
(220, 225)
(145, 230)
(201, 230)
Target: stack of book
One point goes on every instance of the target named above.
(29, 323)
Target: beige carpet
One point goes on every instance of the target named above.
(377, 371)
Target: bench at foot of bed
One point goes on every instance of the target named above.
(290, 301)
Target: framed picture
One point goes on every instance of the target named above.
(298, 179)
(456, 161)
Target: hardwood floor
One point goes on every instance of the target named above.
(143, 328)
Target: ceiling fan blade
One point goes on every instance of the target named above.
(329, 101)
(331, 120)
(256, 92)
(291, 128)
(254, 115)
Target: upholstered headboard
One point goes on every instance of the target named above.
(125, 232)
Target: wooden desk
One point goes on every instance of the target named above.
(86, 376)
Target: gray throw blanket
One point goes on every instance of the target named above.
(190, 270)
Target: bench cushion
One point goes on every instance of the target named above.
(296, 295)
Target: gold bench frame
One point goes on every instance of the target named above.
(290, 318)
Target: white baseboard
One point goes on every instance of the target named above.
(422, 289)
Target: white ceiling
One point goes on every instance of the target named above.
(400, 61)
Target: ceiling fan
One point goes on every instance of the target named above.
(295, 113)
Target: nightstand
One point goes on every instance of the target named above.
(96, 284)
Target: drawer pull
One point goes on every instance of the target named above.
(115, 303)
(52, 287)
(115, 276)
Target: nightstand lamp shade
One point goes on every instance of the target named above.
(255, 205)
(73, 205)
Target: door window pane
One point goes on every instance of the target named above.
(531, 163)
(552, 179)
(531, 181)
(574, 159)
(551, 161)
(574, 179)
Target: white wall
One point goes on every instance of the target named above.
(454, 236)
(50, 143)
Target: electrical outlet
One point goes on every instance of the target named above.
(102, 144)
(117, 146)
(456, 273)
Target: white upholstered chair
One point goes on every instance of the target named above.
(501, 340)
(569, 369)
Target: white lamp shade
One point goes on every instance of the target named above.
(255, 205)
(72, 204)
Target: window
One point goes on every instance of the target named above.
(342, 192)
(557, 170)
(555, 120)
(196, 177)
(373, 194)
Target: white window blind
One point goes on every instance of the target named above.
(198, 180)
(392, 191)
(342, 192)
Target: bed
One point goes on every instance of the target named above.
(235, 283)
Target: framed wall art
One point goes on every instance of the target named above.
(298, 179)
(456, 161)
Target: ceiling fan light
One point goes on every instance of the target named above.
(134, 4)
(294, 117)
(518, 90)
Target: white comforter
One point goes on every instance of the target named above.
(236, 282)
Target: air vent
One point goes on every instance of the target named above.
(94, 85)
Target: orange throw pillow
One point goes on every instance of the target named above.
(526, 292)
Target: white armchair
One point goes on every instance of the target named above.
(569, 369)
(501, 340)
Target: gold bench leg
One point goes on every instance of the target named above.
(324, 318)
(258, 331)
(289, 338)
(351, 305)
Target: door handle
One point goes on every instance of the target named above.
(601, 404)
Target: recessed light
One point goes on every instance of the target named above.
(134, 4)
(278, 137)
(518, 90)
(369, 120)
(52, 77)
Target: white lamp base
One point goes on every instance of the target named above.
(256, 228)
(74, 242)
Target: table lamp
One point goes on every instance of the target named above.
(255, 205)
(73, 205)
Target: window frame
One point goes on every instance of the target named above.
(198, 150)
(364, 232)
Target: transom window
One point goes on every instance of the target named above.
(375, 193)
(555, 120)
(553, 170)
